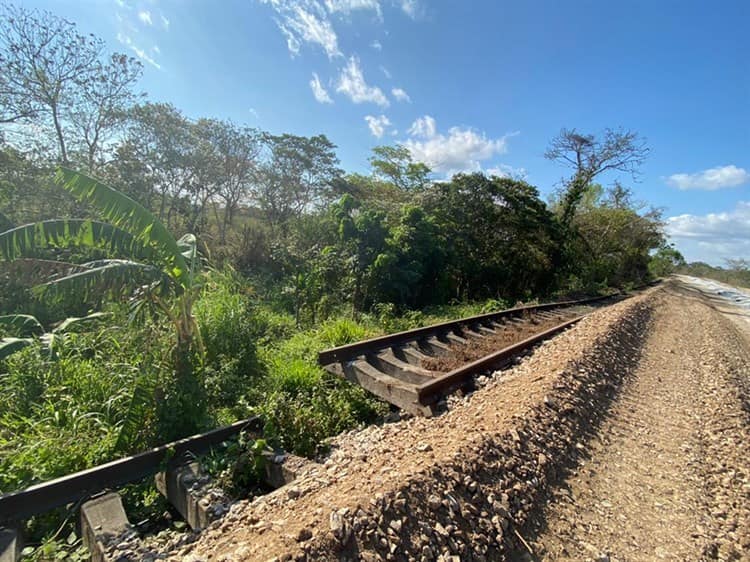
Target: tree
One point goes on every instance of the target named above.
(589, 156)
(55, 75)
(152, 267)
(157, 156)
(235, 152)
(363, 235)
(738, 264)
(394, 164)
(27, 193)
(100, 107)
(500, 238)
(666, 260)
(296, 176)
(614, 238)
(409, 271)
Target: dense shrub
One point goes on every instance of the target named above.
(65, 412)
(301, 404)
(229, 331)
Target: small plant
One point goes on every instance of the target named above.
(493, 305)
(341, 332)
(71, 549)
(239, 466)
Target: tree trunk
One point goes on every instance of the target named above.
(60, 138)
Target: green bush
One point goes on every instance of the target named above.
(64, 413)
(229, 331)
(301, 419)
(301, 404)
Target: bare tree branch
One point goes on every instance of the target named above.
(590, 156)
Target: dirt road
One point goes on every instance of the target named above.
(668, 475)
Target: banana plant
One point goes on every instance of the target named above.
(151, 266)
(27, 330)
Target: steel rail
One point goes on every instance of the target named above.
(430, 392)
(43, 497)
(347, 352)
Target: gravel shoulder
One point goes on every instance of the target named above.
(668, 475)
(623, 438)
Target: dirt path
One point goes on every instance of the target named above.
(667, 477)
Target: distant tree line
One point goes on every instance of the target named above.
(280, 209)
(735, 272)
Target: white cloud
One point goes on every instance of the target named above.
(164, 22)
(156, 49)
(712, 237)
(410, 8)
(145, 17)
(320, 93)
(460, 150)
(424, 127)
(377, 45)
(400, 94)
(305, 22)
(506, 171)
(253, 112)
(140, 53)
(385, 71)
(377, 124)
(711, 179)
(349, 6)
(352, 84)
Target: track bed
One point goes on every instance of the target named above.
(416, 369)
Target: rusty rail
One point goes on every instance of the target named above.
(40, 498)
(346, 352)
(391, 366)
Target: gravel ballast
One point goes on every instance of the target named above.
(668, 475)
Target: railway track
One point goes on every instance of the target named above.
(414, 370)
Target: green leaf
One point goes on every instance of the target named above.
(106, 276)
(125, 213)
(49, 343)
(21, 324)
(5, 222)
(73, 320)
(140, 401)
(188, 247)
(26, 240)
(9, 346)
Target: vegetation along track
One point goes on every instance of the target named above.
(412, 370)
(415, 369)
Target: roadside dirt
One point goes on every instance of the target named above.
(624, 438)
(668, 475)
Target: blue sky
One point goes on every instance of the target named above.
(470, 85)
